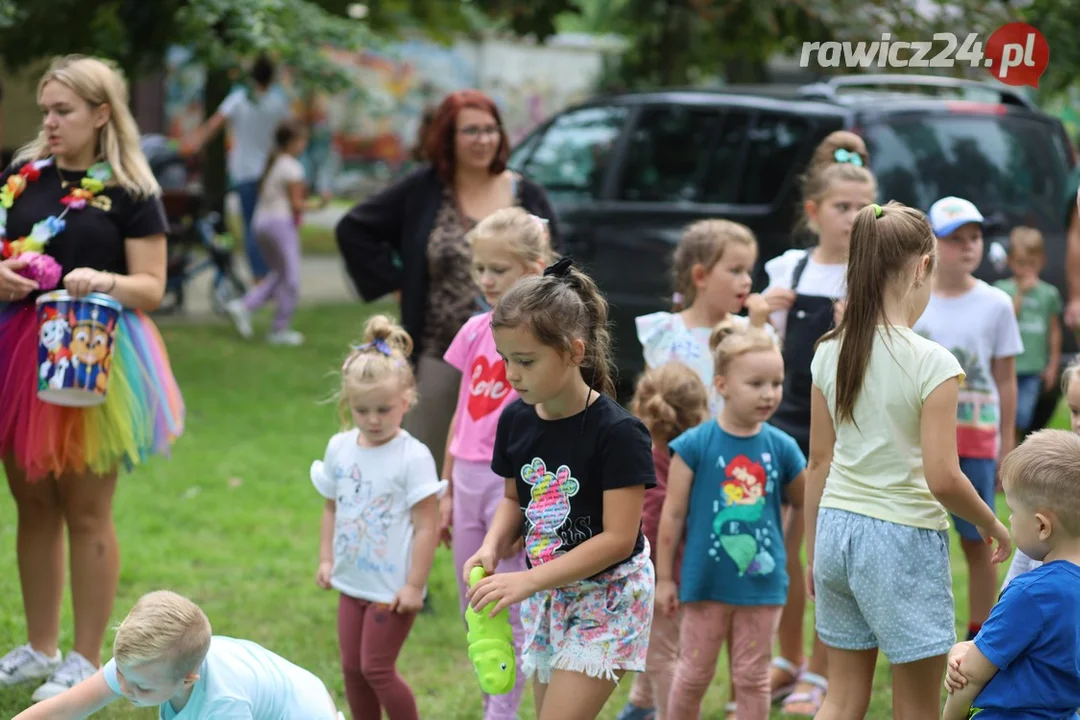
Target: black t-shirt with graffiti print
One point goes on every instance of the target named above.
(562, 467)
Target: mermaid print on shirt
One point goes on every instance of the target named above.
(548, 508)
(739, 509)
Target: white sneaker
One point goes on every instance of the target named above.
(241, 318)
(73, 670)
(24, 664)
(286, 337)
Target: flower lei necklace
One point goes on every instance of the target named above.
(45, 230)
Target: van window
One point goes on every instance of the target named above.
(666, 159)
(1013, 169)
(570, 157)
(773, 146)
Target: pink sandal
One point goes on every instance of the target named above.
(812, 698)
(791, 670)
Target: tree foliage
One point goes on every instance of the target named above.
(222, 33)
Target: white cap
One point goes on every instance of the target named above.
(949, 213)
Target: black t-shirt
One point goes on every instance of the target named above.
(562, 468)
(94, 236)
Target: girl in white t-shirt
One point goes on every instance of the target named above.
(506, 246)
(712, 266)
(380, 522)
(883, 471)
(281, 204)
(805, 293)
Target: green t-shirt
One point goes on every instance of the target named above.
(1041, 303)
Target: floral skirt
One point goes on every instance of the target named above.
(596, 626)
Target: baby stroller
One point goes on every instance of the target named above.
(195, 237)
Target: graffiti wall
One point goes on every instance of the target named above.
(367, 134)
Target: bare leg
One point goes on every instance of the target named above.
(982, 579)
(917, 688)
(575, 696)
(852, 681)
(40, 549)
(539, 690)
(95, 557)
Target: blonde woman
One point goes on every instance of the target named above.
(61, 463)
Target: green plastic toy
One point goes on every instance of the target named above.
(491, 645)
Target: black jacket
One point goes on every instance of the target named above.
(396, 223)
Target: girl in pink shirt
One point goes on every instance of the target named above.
(507, 245)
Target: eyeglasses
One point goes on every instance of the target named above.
(473, 132)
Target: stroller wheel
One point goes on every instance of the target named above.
(227, 287)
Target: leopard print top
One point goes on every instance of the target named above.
(452, 293)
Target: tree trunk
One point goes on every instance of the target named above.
(215, 181)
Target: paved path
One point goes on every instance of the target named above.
(322, 280)
(322, 277)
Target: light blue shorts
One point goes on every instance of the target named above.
(882, 585)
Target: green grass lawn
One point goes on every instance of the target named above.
(232, 521)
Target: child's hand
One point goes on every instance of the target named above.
(322, 576)
(485, 557)
(758, 308)
(446, 518)
(502, 590)
(954, 679)
(1004, 542)
(809, 577)
(667, 597)
(409, 600)
(780, 299)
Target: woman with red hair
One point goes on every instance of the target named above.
(410, 237)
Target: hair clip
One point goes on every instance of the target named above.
(559, 269)
(677, 298)
(877, 210)
(379, 345)
(542, 220)
(843, 155)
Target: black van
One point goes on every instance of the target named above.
(627, 173)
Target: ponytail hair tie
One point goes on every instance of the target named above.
(843, 155)
(559, 269)
(877, 210)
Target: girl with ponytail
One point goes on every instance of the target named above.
(883, 474)
(576, 466)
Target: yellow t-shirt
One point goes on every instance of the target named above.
(877, 464)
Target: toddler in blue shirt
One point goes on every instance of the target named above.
(1025, 661)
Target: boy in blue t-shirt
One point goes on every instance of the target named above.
(1025, 661)
(165, 656)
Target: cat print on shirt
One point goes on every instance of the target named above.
(361, 531)
(741, 506)
(548, 508)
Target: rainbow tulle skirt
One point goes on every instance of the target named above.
(142, 415)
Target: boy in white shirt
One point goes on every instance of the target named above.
(164, 655)
(976, 322)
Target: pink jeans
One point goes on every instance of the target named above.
(652, 687)
(705, 626)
